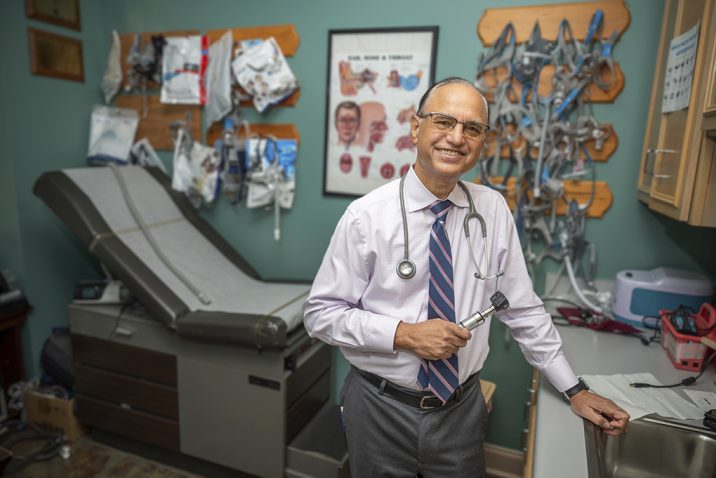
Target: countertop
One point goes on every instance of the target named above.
(559, 445)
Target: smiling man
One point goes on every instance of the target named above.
(412, 404)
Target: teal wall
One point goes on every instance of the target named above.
(44, 126)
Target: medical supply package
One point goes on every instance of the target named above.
(111, 136)
(184, 63)
(272, 171)
(262, 71)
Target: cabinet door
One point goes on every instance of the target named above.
(710, 105)
(653, 125)
(710, 72)
(703, 202)
(703, 206)
(675, 149)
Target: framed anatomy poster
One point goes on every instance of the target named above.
(375, 80)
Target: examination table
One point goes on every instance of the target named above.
(215, 363)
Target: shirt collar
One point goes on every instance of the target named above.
(418, 197)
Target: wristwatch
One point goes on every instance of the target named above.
(570, 392)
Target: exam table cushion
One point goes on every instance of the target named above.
(242, 308)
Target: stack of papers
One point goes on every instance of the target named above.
(704, 400)
(643, 401)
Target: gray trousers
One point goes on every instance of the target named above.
(387, 438)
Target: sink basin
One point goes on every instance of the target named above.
(653, 447)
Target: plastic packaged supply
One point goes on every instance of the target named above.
(112, 133)
(112, 78)
(196, 169)
(218, 79)
(262, 71)
(143, 153)
(183, 67)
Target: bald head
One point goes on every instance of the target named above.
(448, 81)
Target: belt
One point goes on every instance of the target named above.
(423, 400)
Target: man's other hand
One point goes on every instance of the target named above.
(432, 339)
(601, 411)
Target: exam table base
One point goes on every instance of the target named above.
(237, 407)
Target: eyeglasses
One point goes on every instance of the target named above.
(446, 123)
(347, 121)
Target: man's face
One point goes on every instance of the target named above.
(347, 124)
(442, 156)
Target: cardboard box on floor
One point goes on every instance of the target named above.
(53, 413)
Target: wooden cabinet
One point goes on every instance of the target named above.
(531, 430)
(677, 165)
(12, 368)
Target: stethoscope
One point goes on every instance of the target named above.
(406, 268)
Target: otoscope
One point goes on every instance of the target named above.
(499, 302)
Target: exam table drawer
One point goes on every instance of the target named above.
(129, 391)
(306, 406)
(307, 373)
(125, 359)
(133, 424)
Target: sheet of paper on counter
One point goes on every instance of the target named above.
(642, 401)
(704, 400)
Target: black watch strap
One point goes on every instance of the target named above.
(570, 392)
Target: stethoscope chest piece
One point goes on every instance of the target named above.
(405, 269)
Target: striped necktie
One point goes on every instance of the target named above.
(440, 376)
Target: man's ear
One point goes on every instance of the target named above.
(414, 125)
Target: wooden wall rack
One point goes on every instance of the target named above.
(573, 189)
(280, 131)
(610, 146)
(155, 126)
(616, 18)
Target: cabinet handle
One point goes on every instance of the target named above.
(656, 151)
(661, 150)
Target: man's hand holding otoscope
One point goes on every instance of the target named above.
(499, 302)
(438, 339)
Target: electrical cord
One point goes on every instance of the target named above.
(656, 336)
(685, 382)
(653, 326)
(561, 299)
(562, 321)
(48, 450)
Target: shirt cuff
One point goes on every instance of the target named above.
(381, 336)
(560, 374)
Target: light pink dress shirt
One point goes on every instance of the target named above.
(358, 300)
